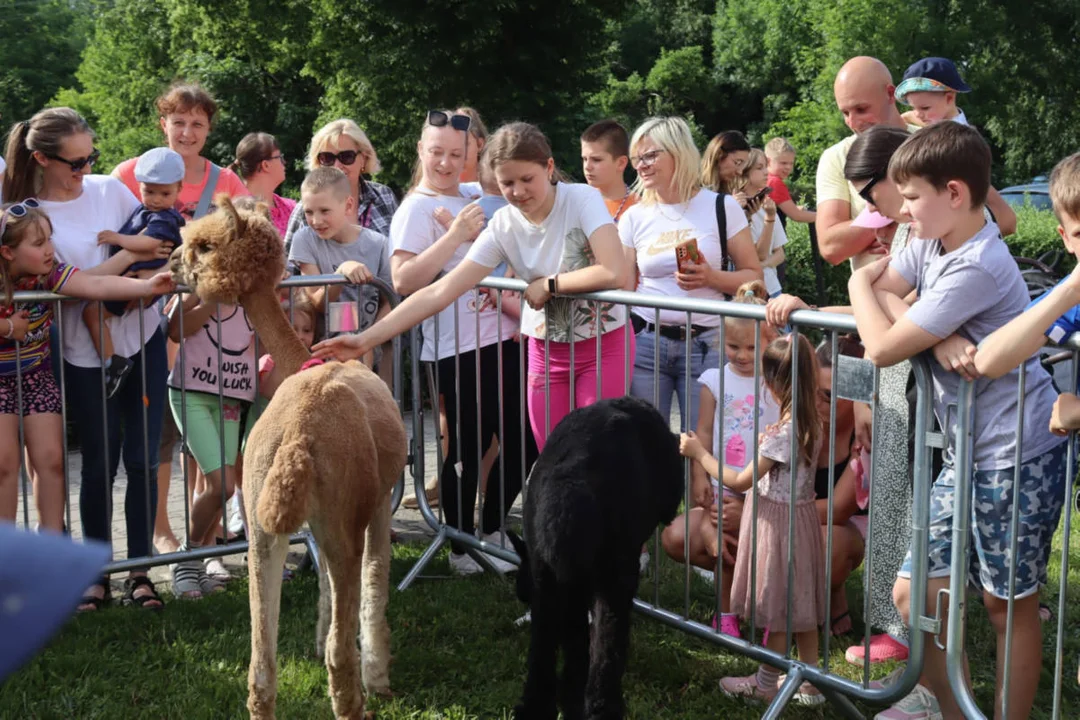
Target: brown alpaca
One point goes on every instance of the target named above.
(328, 450)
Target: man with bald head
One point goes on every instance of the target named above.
(865, 96)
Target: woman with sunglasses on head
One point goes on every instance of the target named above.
(422, 249)
(186, 115)
(342, 144)
(674, 209)
(50, 157)
(261, 165)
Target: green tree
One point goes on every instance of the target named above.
(385, 63)
(42, 44)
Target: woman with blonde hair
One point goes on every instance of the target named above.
(675, 208)
(342, 144)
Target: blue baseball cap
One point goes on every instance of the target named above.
(931, 74)
(160, 166)
(42, 578)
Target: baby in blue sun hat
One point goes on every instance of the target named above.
(929, 87)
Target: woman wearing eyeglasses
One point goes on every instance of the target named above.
(261, 165)
(342, 144)
(51, 156)
(186, 114)
(675, 209)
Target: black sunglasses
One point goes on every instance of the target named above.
(865, 192)
(346, 157)
(437, 118)
(77, 165)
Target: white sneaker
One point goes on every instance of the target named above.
(499, 540)
(705, 575)
(919, 704)
(462, 564)
(527, 618)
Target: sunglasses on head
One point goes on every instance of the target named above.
(17, 210)
(437, 118)
(345, 157)
(865, 192)
(77, 165)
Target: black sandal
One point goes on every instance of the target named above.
(838, 618)
(138, 581)
(94, 602)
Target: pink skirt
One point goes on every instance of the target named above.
(771, 563)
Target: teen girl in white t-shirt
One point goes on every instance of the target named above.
(550, 234)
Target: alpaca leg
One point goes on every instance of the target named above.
(322, 625)
(374, 595)
(610, 642)
(538, 700)
(342, 658)
(575, 645)
(266, 558)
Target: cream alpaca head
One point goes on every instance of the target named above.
(229, 253)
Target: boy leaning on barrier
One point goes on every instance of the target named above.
(332, 244)
(968, 283)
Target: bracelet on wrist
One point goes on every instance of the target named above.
(10, 330)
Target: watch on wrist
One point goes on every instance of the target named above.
(552, 284)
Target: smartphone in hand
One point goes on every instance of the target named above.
(687, 252)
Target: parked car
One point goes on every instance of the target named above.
(1037, 192)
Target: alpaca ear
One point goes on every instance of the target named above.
(225, 204)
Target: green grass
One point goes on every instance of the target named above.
(457, 655)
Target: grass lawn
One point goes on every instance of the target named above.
(457, 654)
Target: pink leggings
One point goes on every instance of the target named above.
(612, 377)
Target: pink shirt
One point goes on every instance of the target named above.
(200, 362)
(228, 182)
(280, 213)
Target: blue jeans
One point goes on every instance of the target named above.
(669, 374)
(121, 434)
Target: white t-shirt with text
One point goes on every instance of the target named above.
(559, 244)
(654, 231)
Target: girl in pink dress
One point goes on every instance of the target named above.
(769, 505)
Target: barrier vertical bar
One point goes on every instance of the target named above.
(684, 411)
(1014, 530)
(718, 499)
(868, 554)
(834, 352)
(1063, 587)
(793, 477)
(961, 534)
(59, 318)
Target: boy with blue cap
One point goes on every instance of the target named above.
(930, 87)
(154, 227)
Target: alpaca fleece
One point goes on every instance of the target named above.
(327, 450)
(609, 475)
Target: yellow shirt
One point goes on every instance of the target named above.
(832, 185)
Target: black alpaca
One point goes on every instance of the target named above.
(609, 474)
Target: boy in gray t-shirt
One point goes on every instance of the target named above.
(966, 282)
(332, 244)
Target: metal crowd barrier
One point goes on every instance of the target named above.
(231, 548)
(837, 689)
(961, 545)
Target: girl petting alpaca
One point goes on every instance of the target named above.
(27, 262)
(726, 424)
(772, 499)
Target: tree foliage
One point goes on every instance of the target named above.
(42, 45)
(765, 67)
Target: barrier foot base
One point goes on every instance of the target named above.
(787, 692)
(415, 570)
(842, 704)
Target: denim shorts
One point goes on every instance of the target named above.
(1042, 482)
